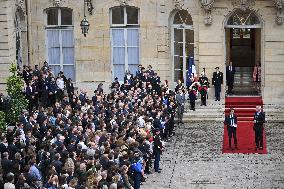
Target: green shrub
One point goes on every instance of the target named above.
(3, 124)
(18, 101)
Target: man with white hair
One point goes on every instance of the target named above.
(259, 120)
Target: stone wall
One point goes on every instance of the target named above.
(93, 53)
(7, 40)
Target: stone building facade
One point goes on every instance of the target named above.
(167, 34)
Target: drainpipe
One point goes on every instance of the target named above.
(28, 13)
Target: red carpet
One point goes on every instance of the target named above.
(244, 109)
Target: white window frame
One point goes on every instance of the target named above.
(126, 46)
(125, 27)
(125, 24)
(60, 28)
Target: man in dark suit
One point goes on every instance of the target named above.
(30, 95)
(217, 81)
(157, 150)
(259, 120)
(230, 74)
(231, 122)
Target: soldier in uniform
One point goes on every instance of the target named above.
(217, 81)
(259, 120)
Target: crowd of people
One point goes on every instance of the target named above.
(70, 140)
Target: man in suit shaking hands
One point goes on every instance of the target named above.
(231, 122)
(259, 120)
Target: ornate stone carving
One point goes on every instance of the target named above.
(243, 4)
(279, 4)
(123, 2)
(21, 4)
(178, 4)
(208, 5)
(57, 3)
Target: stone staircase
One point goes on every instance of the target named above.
(214, 111)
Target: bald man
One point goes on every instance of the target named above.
(259, 120)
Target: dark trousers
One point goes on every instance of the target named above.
(217, 91)
(203, 100)
(148, 164)
(166, 131)
(230, 87)
(192, 104)
(157, 161)
(180, 113)
(171, 126)
(258, 137)
(232, 131)
(137, 180)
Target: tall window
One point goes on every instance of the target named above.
(183, 45)
(125, 40)
(60, 41)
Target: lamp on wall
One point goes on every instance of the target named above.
(85, 25)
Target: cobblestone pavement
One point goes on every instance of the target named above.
(193, 159)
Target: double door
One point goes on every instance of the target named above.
(183, 51)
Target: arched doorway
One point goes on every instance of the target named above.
(243, 49)
(182, 44)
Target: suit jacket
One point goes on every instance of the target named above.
(180, 98)
(29, 92)
(229, 120)
(259, 120)
(157, 147)
(230, 74)
(217, 78)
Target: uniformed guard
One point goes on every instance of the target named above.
(217, 81)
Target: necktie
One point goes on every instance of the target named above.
(232, 120)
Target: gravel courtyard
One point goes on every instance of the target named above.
(193, 159)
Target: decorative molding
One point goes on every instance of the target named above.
(21, 4)
(243, 4)
(57, 3)
(208, 5)
(279, 5)
(178, 4)
(123, 2)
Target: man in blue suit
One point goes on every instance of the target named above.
(259, 120)
(230, 74)
(231, 122)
